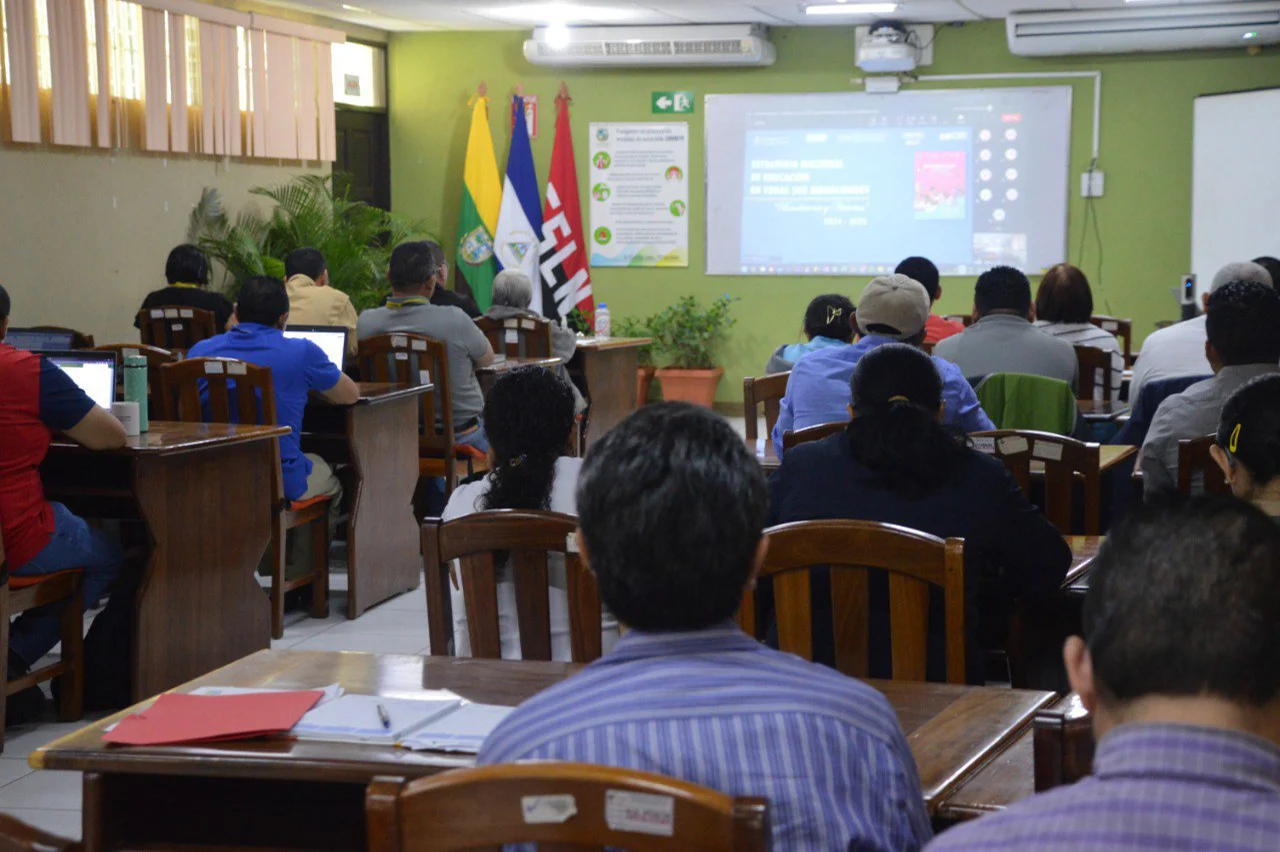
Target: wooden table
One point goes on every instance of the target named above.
(377, 438)
(1084, 550)
(298, 794)
(489, 375)
(1098, 410)
(204, 494)
(609, 365)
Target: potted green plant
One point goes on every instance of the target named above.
(687, 336)
(638, 327)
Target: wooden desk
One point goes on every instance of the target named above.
(489, 375)
(768, 457)
(609, 365)
(1109, 455)
(1097, 410)
(204, 494)
(1084, 549)
(297, 794)
(378, 439)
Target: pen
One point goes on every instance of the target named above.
(382, 715)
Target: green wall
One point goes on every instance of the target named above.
(1145, 217)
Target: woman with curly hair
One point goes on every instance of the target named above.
(529, 417)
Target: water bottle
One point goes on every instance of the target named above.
(135, 386)
(602, 321)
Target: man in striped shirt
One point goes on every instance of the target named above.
(1181, 671)
(672, 508)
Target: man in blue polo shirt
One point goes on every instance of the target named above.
(297, 368)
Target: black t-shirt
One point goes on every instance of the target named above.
(191, 297)
(451, 298)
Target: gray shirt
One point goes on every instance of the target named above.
(1193, 413)
(466, 344)
(563, 344)
(1009, 344)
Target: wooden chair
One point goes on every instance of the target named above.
(481, 543)
(484, 808)
(1063, 744)
(1122, 329)
(1094, 363)
(1197, 467)
(416, 360)
(518, 337)
(238, 392)
(913, 560)
(811, 433)
(18, 836)
(175, 329)
(767, 391)
(927, 346)
(967, 319)
(156, 358)
(19, 594)
(79, 340)
(1065, 461)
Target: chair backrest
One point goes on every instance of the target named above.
(812, 433)
(518, 337)
(482, 543)
(1063, 460)
(217, 390)
(913, 560)
(1062, 743)
(79, 340)
(175, 328)
(967, 319)
(1094, 369)
(415, 360)
(156, 358)
(1197, 468)
(574, 806)
(1022, 401)
(769, 391)
(18, 836)
(1122, 329)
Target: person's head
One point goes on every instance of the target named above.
(1248, 440)
(5, 307)
(1002, 290)
(1236, 272)
(1182, 620)
(512, 289)
(187, 265)
(1064, 295)
(442, 265)
(896, 430)
(413, 270)
(1272, 265)
(263, 300)
(672, 508)
(528, 416)
(308, 262)
(894, 306)
(829, 316)
(1242, 323)
(922, 269)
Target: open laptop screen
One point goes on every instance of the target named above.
(34, 340)
(330, 338)
(93, 372)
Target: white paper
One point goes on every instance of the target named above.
(548, 810)
(1048, 451)
(463, 730)
(640, 813)
(331, 692)
(511, 336)
(639, 181)
(985, 445)
(1014, 445)
(354, 718)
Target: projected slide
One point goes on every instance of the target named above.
(853, 183)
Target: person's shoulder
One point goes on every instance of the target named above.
(947, 370)
(831, 450)
(465, 499)
(827, 692)
(949, 344)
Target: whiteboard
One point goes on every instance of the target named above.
(1235, 180)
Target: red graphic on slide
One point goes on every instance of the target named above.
(941, 179)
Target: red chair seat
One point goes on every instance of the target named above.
(299, 505)
(16, 582)
(468, 451)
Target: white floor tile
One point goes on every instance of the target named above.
(415, 600)
(372, 643)
(398, 622)
(63, 823)
(22, 740)
(45, 789)
(13, 768)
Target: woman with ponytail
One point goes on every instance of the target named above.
(897, 464)
(529, 418)
(1248, 443)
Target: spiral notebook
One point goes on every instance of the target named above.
(441, 722)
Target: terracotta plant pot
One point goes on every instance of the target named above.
(644, 381)
(696, 386)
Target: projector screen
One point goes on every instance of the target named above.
(851, 183)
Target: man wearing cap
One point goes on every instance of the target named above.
(893, 308)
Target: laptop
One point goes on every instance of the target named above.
(35, 340)
(332, 339)
(93, 372)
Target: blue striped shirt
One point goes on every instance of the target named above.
(716, 708)
(1154, 787)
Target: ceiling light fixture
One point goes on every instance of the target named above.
(558, 35)
(851, 9)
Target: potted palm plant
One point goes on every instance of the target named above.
(638, 327)
(687, 336)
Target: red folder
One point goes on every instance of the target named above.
(179, 718)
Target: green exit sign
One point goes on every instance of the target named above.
(673, 102)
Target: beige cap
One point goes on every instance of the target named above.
(897, 303)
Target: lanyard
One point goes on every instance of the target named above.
(185, 286)
(396, 304)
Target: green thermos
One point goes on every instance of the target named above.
(135, 386)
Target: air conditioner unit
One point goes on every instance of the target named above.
(735, 44)
(1144, 28)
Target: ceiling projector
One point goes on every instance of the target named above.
(887, 49)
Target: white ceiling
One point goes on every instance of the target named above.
(523, 14)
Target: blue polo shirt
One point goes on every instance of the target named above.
(297, 368)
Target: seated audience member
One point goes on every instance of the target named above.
(1179, 349)
(922, 269)
(1272, 265)
(529, 418)
(512, 295)
(40, 537)
(1064, 304)
(1003, 340)
(312, 301)
(1241, 322)
(828, 321)
(1248, 443)
(297, 368)
(672, 508)
(898, 464)
(413, 275)
(187, 272)
(892, 309)
(1180, 668)
(442, 296)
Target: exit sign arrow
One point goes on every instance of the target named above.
(673, 102)
(666, 102)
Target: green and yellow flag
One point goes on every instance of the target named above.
(481, 201)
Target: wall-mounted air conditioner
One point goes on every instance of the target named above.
(1144, 28)
(734, 44)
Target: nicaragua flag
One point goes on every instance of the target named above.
(519, 236)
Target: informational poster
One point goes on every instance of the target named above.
(640, 194)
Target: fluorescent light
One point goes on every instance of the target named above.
(551, 13)
(851, 9)
(558, 36)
